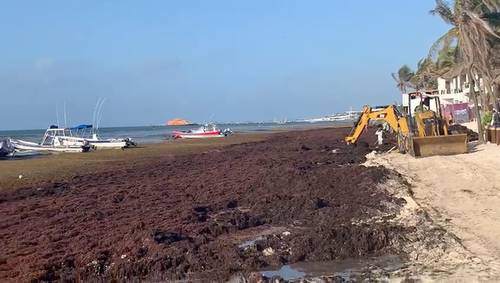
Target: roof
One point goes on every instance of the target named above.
(82, 126)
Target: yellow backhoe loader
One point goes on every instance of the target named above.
(425, 133)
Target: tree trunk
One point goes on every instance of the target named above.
(496, 96)
(476, 109)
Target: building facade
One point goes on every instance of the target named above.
(455, 90)
(453, 95)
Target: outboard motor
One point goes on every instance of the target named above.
(6, 147)
(129, 142)
(227, 132)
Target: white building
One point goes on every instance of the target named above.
(455, 90)
(450, 91)
(453, 94)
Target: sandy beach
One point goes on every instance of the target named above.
(460, 193)
(242, 142)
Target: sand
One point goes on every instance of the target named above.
(460, 193)
(471, 125)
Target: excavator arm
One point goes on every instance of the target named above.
(388, 114)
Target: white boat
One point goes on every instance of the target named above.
(83, 134)
(337, 117)
(206, 131)
(6, 147)
(51, 142)
(280, 122)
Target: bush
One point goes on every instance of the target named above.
(486, 121)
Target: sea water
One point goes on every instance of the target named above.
(347, 269)
(157, 134)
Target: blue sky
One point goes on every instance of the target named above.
(203, 60)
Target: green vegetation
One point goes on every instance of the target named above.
(487, 117)
(403, 78)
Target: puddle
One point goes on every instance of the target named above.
(286, 272)
(347, 269)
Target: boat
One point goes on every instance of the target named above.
(205, 131)
(6, 147)
(84, 133)
(346, 116)
(280, 122)
(52, 141)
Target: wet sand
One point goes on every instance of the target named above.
(214, 212)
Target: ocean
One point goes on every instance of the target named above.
(158, 134)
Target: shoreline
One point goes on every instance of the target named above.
(61, 166)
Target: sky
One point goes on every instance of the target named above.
(218, 60)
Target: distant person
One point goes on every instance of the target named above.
(495, 119)
(380, 135)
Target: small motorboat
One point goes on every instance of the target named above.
(206, 131)
(53, 141)
(6, 147)
(82, 134)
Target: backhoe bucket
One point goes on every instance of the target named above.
(439, 145)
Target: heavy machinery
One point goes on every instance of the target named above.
(425, 133)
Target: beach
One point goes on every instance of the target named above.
(241, 142)
(460, 193)
(213, 210)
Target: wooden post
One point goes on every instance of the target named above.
(476, 109)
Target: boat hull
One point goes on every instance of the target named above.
(95, 143)
(206, 135)
(24, 145)
(108, 144)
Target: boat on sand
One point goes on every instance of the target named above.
(205, 131)
(52, 141)
(82, 134)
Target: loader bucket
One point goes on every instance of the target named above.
(439, 145)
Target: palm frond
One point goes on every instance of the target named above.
(444, 42)
(484, 25)
(394, 77)
(443, 10)
(405, 73)
(493, 19)
(492, 5)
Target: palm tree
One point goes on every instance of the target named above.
(473, 34)
(426, 75)
(403, 78)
